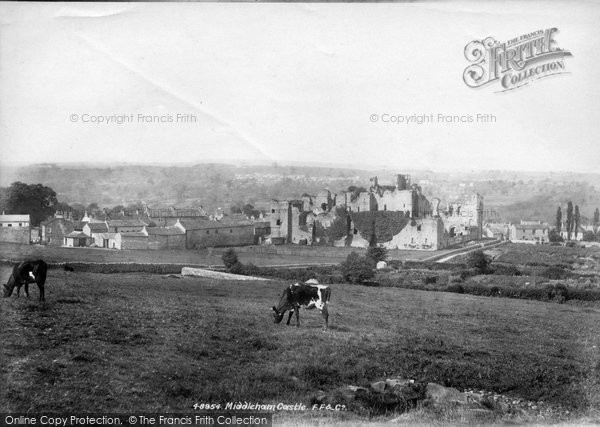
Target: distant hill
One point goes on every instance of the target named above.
(513, 195)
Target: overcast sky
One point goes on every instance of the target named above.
(291, 82)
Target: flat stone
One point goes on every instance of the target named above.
(397, 382)
(440, 395)
(378, 386)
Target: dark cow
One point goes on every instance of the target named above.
(308, 295)
(24, 273)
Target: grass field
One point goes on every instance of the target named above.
(303, 255)
(548, 255)
(150, 343)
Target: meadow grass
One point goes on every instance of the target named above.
(145, 342)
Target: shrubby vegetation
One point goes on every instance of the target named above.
(379, 226)
(377, 253)
(479, 262)
(357, 269)
(90, 267)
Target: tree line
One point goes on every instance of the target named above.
(41, 203)
(572, 222)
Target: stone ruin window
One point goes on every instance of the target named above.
(272, 210)
(419, 227)
(278, 222)
(231, 230)
(207, 231)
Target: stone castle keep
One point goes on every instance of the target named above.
(395, 217)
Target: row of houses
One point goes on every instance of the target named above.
(136, 233)
(533, 231)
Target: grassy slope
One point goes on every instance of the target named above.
(141, 342)
(60, 254)
(302, 255)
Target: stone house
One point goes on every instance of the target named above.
(529, 232)
(76, 239)
(96, 231)
(55, 230)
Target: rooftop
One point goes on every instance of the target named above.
(97, 227)
(14, 218)
(77, 234)
(133, 234)
(532, 226)
(131, 222)
(164, 231)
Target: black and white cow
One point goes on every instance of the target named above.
(24, 273)
(308, 295)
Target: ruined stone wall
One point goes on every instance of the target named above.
(280, 218)
(322, 228)
(395, 201)
(421, 234)
(463, 215)
(364, 202)
(302, 223)
(399, 233)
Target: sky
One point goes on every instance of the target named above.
(188, 83)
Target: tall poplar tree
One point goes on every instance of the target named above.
(569, 219)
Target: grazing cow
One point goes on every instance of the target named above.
(308, 295)
(24, 273)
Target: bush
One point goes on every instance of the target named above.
(236, 268)
(466, 273)
(555, 237)
(357, 269)
(430, 280)
(555, 273)
(479, 261)
(377, 254)
(506, 270)
(456, 288)
(230, 259)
